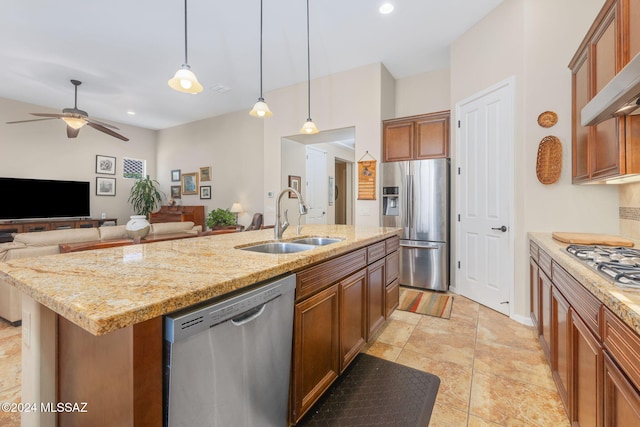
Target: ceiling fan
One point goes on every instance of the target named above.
(76, 119)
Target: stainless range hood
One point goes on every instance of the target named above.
(618, 98)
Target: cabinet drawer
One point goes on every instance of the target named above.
(375, 252)
(392, 267)
(322, 275)
(623, 344)
(392, 244)
(581, 300)
(544, 261)
(533, 251)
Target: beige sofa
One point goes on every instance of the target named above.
(26, 245)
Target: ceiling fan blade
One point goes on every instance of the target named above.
(71, 132)
(53, 116)
(32, 120)
(107, 125)
(107, 131)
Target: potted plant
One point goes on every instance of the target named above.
(144, 198)
(220, 218)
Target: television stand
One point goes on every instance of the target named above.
(8, 228)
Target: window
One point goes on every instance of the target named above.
(134, 168)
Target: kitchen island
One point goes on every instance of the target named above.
(103, 306)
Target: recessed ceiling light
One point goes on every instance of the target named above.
(131, 113)
(386, 8)
(220, 88)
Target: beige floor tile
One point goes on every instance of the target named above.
(406, 316)
(455, 380)
(514, 403)
(447, 347)
(513, 363)
(395, 332)
(497, 328)
(10, 419)
(457, 325)
(479, 422)
(383, 350)
(446, 416)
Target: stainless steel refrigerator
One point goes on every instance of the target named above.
(415, 197)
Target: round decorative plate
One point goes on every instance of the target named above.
(547, 119)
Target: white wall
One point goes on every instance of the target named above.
(350, 98)
(42, 150)
(232, 145)
(423, 93)
(518, 39)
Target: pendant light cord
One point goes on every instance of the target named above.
(261, 50)
(186, 61)
(308, 68)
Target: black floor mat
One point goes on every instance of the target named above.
(376, 392)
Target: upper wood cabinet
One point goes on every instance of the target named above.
(416, 137)
(609, 149)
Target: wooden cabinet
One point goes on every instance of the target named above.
(194, 214)
(376, 291)
(340, 303)
(534, 287)
(353, 315)
(545, 304)
(6, 230)
(560, 345)
(316, 362)
(392, 271)
(417, 137)
(609, 149)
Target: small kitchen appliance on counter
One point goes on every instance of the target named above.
(619, 264)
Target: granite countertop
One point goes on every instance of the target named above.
(108, 289)
(624, 302)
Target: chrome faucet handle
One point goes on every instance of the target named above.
(285, 224)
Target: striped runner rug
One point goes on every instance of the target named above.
(430, 303)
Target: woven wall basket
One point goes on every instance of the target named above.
(549, 162)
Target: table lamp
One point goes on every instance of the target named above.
(236, 208)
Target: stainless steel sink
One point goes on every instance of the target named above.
(317, 241)
(279, 247)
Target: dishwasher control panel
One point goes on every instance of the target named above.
(190, 321)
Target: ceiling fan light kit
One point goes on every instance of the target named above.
(260, 108)
(184, 79)
(308, 127)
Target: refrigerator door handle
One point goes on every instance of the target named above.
(409, 215)
(418, 247)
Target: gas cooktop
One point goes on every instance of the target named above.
(619, 264)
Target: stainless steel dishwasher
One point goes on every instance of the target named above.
(227, 363)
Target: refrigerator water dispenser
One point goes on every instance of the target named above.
(390, 201)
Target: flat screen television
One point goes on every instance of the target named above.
(43, 198)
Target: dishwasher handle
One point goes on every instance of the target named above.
(249, 315)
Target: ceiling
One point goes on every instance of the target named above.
(125, 51)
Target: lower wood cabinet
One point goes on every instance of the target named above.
(340, 304)
(560, 349)
(316, 361)
(586, 365)
(621, 398)
(545, 314)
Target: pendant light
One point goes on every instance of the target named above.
(185, 80)
(309, 127)
(261, 109)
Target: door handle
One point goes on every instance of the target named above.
(503, 228)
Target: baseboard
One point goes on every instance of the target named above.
(525, 320)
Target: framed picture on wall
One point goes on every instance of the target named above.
(175, 192)
(205, 191)
(105, 186)
(190, 183)
(105, 165)
(175, 175)
(205, 173)
(294, 182)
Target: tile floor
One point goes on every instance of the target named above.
(492, 369)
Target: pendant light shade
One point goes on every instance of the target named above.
(309, 127)
(260, 108)
(185, 80)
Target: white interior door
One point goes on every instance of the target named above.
(317, 194)
(485, 197)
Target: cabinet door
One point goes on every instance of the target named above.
(316, 348)
(560, 314)
(397, 142)
(580, 140)
(586, 377)
(376, 290)
(605, 63)
(534, 297)
(353, 316)
(432, 137)
(621, 399)
(392, 298)
(545, 313)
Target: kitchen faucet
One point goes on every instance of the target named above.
(281, 226)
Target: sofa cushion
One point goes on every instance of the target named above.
(172, 227)
(5, 247)
(33, 251)
(113, 232)
(55, 237)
